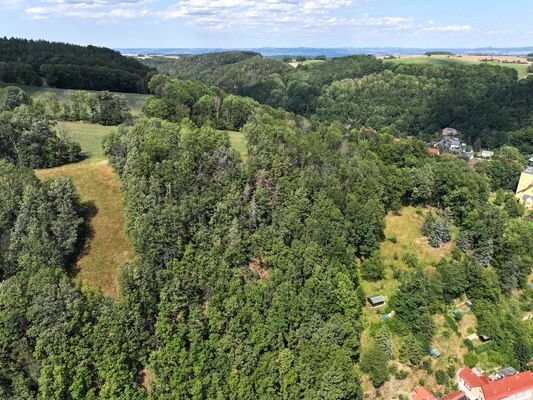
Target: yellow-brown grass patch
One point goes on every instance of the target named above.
(108, 246)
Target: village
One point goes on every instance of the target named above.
(450, 143)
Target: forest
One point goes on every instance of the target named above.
(487, 103)
(68, 66)
(249, 274)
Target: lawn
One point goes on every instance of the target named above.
(89, 136)
(99, 188)
(135, 100)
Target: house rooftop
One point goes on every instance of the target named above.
(471, 379)
(509, 371)
(435, 352)
(376, 299)
(421, 393)
(511, 385)
(457, 395)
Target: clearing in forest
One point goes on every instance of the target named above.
(107, 245)
(238, 142)
(135, 100)
(404, 239)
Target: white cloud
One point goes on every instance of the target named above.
(88, 9)
(497, 32)
(449, 28)
(274, 15)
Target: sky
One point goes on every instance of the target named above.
(272, 23)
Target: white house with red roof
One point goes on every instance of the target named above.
(480, 387)
(514, 387)
(470, 383)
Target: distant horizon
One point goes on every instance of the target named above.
(330, 51)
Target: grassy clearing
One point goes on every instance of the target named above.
(108, 246)
(238, 142)
(135, 100)
(403, 236)
(441, 61)
(89, 136)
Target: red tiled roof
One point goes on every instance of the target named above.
(457, 395)
(433, 150)
(421, 393)
(508, 386)
(471, 379)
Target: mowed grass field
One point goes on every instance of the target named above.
(89, 136)
(107, 247)
(444, 60)
(135, 100)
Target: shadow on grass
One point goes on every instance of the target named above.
(88, 211)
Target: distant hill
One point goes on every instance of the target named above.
(334, 51)
(203, 67)
(68, 66)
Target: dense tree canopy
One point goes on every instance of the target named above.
(69, 66)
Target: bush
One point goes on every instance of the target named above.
(437, 229)
(374, 363)
(451, 371)
(411, 260)
(373, 268)
(441, 377)
(468, 344)
(470, 359)
(452, 324)
(401, 375)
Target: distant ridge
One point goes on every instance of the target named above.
(332, 52)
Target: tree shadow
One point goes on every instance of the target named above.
(88, 211)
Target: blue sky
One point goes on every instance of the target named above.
(277, 23)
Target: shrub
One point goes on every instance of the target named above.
(373, 268)
(410, 259)
(452, 324)
(437, 229)
(471, 359)
(451, 371)
(401, 375)
(374, 363)
(441, 377)
(469, 345)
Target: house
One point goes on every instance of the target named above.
(449, 132)
(524, 191)
(486, 153)
(514, 387)
(455, 145)
(421, 393)
(433, 150)
(376, 300)
(470, 383)
(457, 395)
(483, 338)
(469, 155)
(434, 352)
